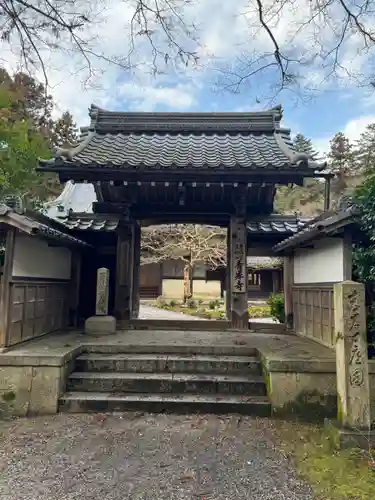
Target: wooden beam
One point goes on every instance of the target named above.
(5, 299)
(288, 291)
(75, 282)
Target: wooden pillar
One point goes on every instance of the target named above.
(288, 291)
(5, 301)
(275, 281)
(348, 256)
(228, 279)
(136, 269)
(327, 194)
(124, 273)
(238, 268)
(75, 281)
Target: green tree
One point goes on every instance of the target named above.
(21, 144)
(365, 149)
(65, 132)
(304, 145)
(340, 162)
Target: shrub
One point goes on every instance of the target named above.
(259, 311)
(200, 302)
(161, 302)
(212, 304)
(191, 303)
(276, 303)
(173, 303)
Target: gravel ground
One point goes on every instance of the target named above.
(144, 457)
(150, 312)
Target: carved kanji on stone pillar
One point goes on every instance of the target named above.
(238, 273)
(351, 355)
(124, 272)
(136, 270)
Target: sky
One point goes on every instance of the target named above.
(224, 36)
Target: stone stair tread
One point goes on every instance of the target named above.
(170, 357)
(168, 376)
(165, 397)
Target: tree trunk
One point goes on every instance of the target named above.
(188, 282)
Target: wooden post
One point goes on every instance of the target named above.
(288, 291)
(75, 280)
(124, 273)
(136, 270)
(351, 355)
(348, 256)
(228, 279)
(5, 302)
(238, 267)
(327, 194)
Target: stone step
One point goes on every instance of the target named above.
(236, 348)
(81, 402)
(173, 363)
(166, 383)
(174, 324)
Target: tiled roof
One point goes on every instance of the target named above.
(277, 224)
(92, 224)
(178, 140)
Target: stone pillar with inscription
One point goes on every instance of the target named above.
(101, 323)
(102, 292)
(351, 356)
(239, 315)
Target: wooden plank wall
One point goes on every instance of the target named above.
(313, 312)
(36, 308)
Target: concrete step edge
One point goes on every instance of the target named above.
(169, 357)
(173, 377)
(165, 397)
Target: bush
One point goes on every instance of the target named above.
(161, 302)
(200, 302)
(173, 303)
(259, 311)
(191, 303)
(277, 308)
(212, 304)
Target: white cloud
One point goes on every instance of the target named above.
(147, 97)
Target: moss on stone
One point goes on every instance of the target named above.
(8, 396)
(311, 406)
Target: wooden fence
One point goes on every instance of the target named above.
(36, 308)
(313, 312)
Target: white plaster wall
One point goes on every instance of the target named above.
(33, 258)
(322, 264)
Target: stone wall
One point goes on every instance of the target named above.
(32, 385)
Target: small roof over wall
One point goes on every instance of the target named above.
(326, 224)
(259, 263)
(32, 225)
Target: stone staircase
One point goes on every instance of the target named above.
(209, 380)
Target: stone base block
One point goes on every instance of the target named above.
(100, 325)
(342, 438)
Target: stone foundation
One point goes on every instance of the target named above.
(32, 390)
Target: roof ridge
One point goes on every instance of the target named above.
(129, 121)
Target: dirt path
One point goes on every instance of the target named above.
(144, 457)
